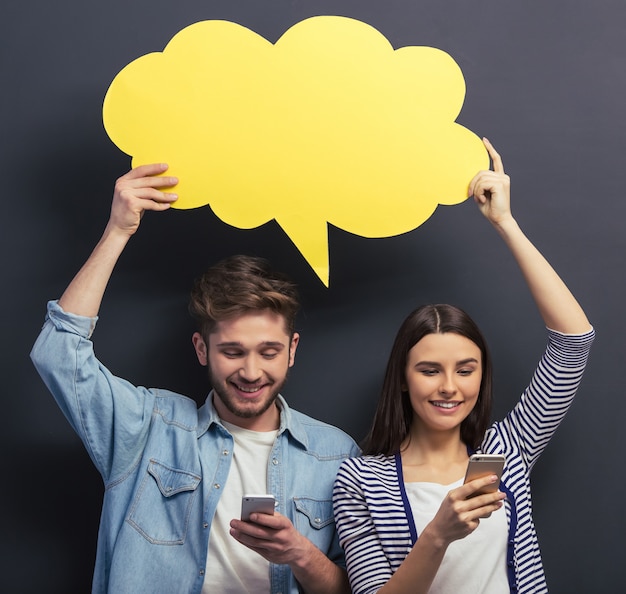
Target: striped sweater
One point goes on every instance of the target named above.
(373, 515)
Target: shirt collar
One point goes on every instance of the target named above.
(207, 416)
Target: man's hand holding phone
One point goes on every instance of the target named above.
(272, 535)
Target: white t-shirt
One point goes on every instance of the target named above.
(475, 564)
(231, 567)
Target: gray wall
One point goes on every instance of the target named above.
(545, 82)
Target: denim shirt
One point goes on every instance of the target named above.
(164, 462)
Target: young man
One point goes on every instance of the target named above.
(174, 474)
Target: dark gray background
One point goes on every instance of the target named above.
(545, 82)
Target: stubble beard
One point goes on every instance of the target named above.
(245, 412)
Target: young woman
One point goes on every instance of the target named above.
(405, 519)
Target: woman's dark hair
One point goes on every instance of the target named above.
(394, 414)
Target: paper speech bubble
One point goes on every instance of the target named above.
(328, 125)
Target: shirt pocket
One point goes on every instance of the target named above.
(162, 507)
(314, 518)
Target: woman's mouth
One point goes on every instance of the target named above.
(445, 405)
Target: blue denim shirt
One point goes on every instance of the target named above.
(164, 462)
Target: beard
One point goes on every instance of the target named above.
(245, 409)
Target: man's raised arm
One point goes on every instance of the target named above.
(137, 191)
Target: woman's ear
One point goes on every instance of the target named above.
(202, 351)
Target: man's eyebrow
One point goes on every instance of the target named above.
(275, 344)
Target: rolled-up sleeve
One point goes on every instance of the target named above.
(110, 415)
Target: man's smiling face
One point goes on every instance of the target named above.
(248, 359)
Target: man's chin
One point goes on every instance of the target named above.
(247, 409)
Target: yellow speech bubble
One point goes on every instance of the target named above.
(328, 125)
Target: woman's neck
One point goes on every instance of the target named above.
(439, 457)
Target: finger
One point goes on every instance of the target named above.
(146, 170)
(484, 179)
(158, 205)
(479, 184)
(471, 189)
(273, 521)
(147, 195)
(498, 166)
(472, 487)
(268, 520)
(248, 540)
(486, 510)
(161, 181)
(249, 530)
(147, 175)
(145, 188)
(484, 505)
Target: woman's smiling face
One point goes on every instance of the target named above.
(442, 376)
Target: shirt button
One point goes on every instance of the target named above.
(217, 486)
(202, 572)
(274, 461)
(205, 524)
(225, 453)
(318, 520)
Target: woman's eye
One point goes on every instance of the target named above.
(429, 372)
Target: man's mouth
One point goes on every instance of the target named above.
(248, 389)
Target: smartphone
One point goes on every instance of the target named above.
(263, 504)
(481, 465)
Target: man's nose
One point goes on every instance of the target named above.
(250, 370)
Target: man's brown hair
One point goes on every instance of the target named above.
(238, 285)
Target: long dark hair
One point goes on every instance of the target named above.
(394, 414)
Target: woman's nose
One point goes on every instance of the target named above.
(447, 384)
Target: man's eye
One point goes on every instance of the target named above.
(269, 355)
(231, 354)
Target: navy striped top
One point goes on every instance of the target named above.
(373, 515)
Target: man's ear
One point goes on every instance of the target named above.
(202, 351)
(293, 345)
